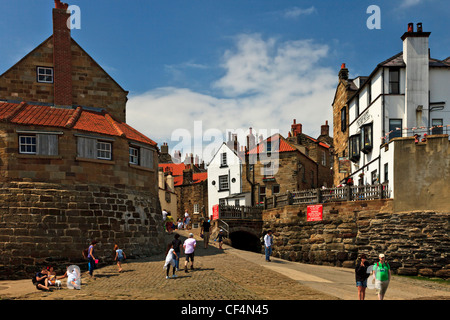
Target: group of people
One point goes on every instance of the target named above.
(173, 251)
(173, 254)
(381, 275)
(380, 271)
(171, 225)
(46, 277)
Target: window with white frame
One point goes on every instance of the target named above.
(44, 74)
(104, 150)
(39, 143)
(223, 183)
(134, 155)
(27, 144)
(93, 148)
(196, 208)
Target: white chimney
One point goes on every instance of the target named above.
(416, 58)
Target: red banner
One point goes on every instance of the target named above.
(215, 215)
(314, 213)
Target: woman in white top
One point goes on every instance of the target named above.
(171, 256)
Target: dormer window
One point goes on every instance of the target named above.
(366, 138)
(44, 74)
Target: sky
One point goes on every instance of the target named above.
(197, 69)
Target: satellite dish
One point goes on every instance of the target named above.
(73, 277)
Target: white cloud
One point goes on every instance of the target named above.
(410, 3)
(267, 83)
(295, 12)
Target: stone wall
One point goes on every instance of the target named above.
(91, 85)
(50, 224)
(415, 243)
(419, 173)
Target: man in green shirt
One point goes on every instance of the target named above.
(382, 275)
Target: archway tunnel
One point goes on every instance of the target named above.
(245, 241)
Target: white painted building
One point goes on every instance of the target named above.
(406, 94)
(225, 179)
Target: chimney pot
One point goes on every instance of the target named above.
(419, 27)
(343, 66)
(410, 27)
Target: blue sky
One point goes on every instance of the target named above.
(197, 68)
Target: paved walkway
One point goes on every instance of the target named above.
(229, 274)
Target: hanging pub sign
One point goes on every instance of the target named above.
(215, 215)
(314, 213)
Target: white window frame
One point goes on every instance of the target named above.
(25, 144)
(134, 155)
(223, 183)
(44, 72)
(104, 150)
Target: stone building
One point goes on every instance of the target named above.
(345, 89)
(191, 188)
(275, 166)
(71, 169)
(320, 150)
(405, 95)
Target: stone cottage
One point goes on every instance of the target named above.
(72, 170)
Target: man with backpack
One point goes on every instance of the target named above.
(382, 275)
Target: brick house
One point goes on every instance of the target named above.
(70, 165)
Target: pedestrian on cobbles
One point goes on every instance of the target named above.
(361, 276)
(170, 260)
(187, 220)
(206, 225)
(220, 237)
(268, 242)
(120, 257)
(189, 248)
(176, 242)
(382, 275)
(91, 258)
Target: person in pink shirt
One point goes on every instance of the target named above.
(189, 248)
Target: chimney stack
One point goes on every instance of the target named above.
(325, 129)
(343, 73)
(296, 128)
(62, 55)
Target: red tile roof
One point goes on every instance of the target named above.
(177, 173)
(78, 119)
(283, 145)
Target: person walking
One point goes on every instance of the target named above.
(91, 259)
(220, 237)
(382, 275)
(170, 260)
(361, 276)
(268, 242)
(206, 225)
(189, 248)
(120, 257)
(187, 220)
(176, 242)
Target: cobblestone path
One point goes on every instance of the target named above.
(218, 275)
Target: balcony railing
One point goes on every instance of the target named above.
(324, 195)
